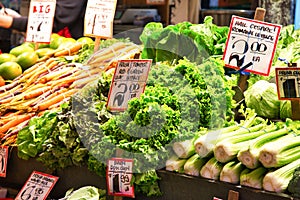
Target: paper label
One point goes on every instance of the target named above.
(155, 2)
(99, 18)
(288, 83)
(40, 21)
(251, 45)
(119, 175)
(129, 82)
(3, 160)
(37, 187)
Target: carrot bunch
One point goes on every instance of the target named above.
(49, 83)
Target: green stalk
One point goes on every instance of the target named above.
(253, 178)
(280, 152)
(175, 164)
(278, 180)
(227, 149)
(184, 149)
(231, 172)
(193, 165)
(250, 154)
(212, 169)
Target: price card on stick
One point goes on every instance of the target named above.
(129, 81)
(37, 187)
(251, 45)
(288, 83)
(40, 21)
(3, 160)
(119, 175)
(99, 17)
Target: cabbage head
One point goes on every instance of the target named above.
(285, 109)
(262, 97)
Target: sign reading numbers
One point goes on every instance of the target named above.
(288, 83)
(119, 175)
(251, 45)
(99, 17)
(37, 187)
(129, 81)
(40, 20)
(3, 160)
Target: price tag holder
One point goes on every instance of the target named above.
(251, 45)
(37, 187)
(40, 21)
(99, 18)
(155, 2)
(3, 160)
(288, 83)
(119, 175)
(129, 82)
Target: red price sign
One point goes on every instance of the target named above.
(251, 45)
(129, 82)
(99, 18)
(119, 175)
(40, 20)
(37, 187)
(3, 160)
(288, 83)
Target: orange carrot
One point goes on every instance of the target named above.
(37, 92)
(17, 120)
(47, 103)
(69, 51)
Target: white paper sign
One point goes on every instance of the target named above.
(3, 160)
(251, 45)
(37, 187)
(99, 17)
(129, 81)
(288, 83)
(40, 20)
(119, 175)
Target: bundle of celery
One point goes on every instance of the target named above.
(231, 172)
(278, 180)
(193, 165)
(249, 155)
(184, 149)
(212, 169)
(253, 178)
(175, 164)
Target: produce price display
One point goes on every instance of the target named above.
(3, 160)
(53, 108)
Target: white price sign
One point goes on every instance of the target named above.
(251, 45)
(129, 82)
(119, 175)
(40, 20)
(3, 160)
(37, 187)
(288, 83)
(99, 18)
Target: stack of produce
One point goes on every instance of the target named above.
(255, 153)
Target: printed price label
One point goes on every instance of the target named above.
(40, 20)
(251, 45)
(288, 83)
(99, 18)
(37, 187)
(3, 160)
(215, 198)
(129, 81)
(119, 175)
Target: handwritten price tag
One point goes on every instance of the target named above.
(40, 20)
(251, 45)
(288, 83)
(119, 175)
(129, 81)
(99, 17)
(3, 160)
(37, 187)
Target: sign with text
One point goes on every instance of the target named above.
(288, 83)
(99, 17)
(3, 160)
(129, 81)
(251, 45)
(40, 21)
(37, 187)
(119, 175)
(155, 2)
